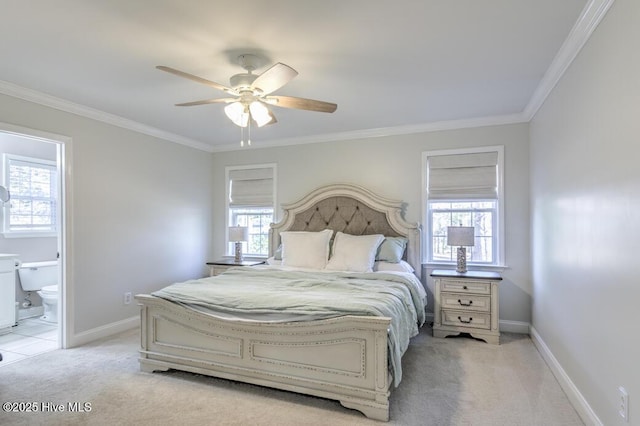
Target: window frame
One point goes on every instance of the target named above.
(498, 240)
(7, 158)
(229, 251)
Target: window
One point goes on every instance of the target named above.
(33, 185)
(251, 201)
(464, 188)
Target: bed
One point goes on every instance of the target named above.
(341, 357)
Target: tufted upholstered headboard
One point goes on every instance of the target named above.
(352, 210)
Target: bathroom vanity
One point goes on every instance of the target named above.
(7, 292)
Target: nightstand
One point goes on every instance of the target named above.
(466, 303)
(219, 266)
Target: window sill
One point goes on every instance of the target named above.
(247, 257)
(29, 234)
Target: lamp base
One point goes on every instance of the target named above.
(462, 260)
(238, 257)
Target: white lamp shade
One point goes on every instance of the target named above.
(260, 113)
(460, 236)
(238, 233)
(237, 113)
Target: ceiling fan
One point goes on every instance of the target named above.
(252, 93)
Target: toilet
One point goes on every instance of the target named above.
(42, 277)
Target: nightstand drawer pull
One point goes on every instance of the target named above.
(465, 304)
(466, 320)
(463, 321)
(465, 287)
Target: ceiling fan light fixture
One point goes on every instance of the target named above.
(252, 93)
(237, 113)
(260, 113)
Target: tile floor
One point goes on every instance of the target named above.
(30, 337)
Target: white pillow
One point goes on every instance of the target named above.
(354, 253)
(401, 266)
(302, 249)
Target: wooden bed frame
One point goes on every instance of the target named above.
(342, 358)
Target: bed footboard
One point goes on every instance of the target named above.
(343, 358)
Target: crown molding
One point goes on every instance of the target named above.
(34, 96)
(380, 132)
(30, 95)
(592, 14)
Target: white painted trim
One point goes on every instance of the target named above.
(30, 95)
(578, 401)
(592, 14)
(34, 311)
(501, 249)
(66, 308)
(65, 232)
(52, 167)
(104, 331)
(498, 120)
(227, 169)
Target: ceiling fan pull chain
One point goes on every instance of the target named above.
(249, 133)
(241, 136)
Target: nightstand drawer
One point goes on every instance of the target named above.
(475, 287)
(466, 302)
(466, 319)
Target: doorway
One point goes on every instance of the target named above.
(45, 243)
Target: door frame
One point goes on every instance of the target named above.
(64, 166)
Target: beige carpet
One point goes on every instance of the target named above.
(446, 382)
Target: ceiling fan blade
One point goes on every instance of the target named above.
(208, 101)
(274, 78)
(301, 103)
(195, 78)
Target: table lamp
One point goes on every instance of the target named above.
(461, 237)
(238, 234)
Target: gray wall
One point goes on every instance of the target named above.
(391, 166)
(585, 189)
(141, 211)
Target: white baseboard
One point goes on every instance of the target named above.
(104, 331)
(575, 397)
(34, 311)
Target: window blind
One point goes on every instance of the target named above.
(251, 187)
(463, 176)
(33, 187)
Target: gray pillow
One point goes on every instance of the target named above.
(392, 249)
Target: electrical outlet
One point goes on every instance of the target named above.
(127, 298)
(623, 403)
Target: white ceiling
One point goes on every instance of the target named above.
(389, 65)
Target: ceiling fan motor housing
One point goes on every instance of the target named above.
(242, 81)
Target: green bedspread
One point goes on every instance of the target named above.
(252, 293)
